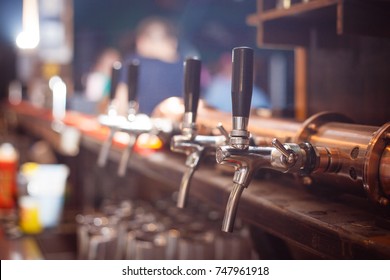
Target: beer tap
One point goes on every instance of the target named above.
(137, 123)
(301, 158)
(195, 146)
(134, 123)
(132, 85)
(111, 118)
(242, 83)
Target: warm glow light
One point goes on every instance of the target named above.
(29, 37)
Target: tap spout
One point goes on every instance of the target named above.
(245, 163)
(196, 148)
(103, 155)
(232, 207)
(185, 187)
(126, 155)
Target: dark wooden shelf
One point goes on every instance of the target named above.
(329, 18)
(295, 10)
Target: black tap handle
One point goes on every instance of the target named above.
(242, 81)
(116, 68)
(132, 79)
(192, 67)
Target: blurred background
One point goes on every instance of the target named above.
(206, 28)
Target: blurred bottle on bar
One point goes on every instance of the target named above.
(8, 170)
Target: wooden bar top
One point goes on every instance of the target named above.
(331, 224)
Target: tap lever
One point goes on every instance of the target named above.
(289, 155)
(242, 85)
(132, 87)
(116, 68)
(192, 68)
(242, 82)
(132, 80)
(223, 130)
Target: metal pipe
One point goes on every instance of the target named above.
(384, 171)
(361, 151)
(360, 171)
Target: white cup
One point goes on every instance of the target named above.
(47, 186)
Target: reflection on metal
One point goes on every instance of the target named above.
(375, 162)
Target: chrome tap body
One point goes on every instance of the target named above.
(290, 157)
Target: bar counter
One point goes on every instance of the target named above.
(325, 222)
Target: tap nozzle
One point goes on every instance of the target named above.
(192, 164)
(105, 149)
(231, 208)
(122, 167)
(245, 163)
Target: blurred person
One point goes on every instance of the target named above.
(218, 92)
(161, 66)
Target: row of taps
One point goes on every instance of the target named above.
(234, 149)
